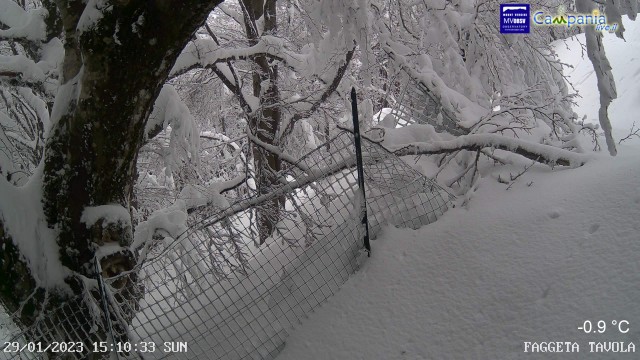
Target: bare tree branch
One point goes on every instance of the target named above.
(633, 132)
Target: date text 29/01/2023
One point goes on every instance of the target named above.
(97, 347)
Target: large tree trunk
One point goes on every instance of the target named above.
(264, 123)
(112, 73)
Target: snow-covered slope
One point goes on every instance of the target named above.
(528, 264)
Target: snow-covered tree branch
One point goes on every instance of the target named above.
(475, 142)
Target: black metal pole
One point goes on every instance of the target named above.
(356, 135)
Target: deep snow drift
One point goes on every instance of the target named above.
(528, 264)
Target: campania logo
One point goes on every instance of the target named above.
(516, 19)
(562, 18)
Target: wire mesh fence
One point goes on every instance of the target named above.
(213, 294)
(417, 104)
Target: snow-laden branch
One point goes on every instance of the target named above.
(231, 13)
(22, 68)
(29, 25)
(199, 196)
(302, 182)
(204, 53)
(454, 105)
(312, 61)
(316, 101)
(25, 134)
(231, 80)
(93, 12)
(546, 154)
(169, 110)
(171, 115)
(171, 222)
(274, 150)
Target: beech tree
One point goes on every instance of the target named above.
(74, 211)
(85, 85)
(282, 63)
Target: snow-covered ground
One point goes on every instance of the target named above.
(528, 264)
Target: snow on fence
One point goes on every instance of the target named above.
(419, 104)
(217, 293)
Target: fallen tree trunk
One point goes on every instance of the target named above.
(541, 153)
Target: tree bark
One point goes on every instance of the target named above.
(265, 122)
(112, 74)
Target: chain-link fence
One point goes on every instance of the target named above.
(213, 294)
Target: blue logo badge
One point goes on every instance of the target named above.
(514, 18)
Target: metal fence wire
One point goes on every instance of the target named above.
(216, 295)
(419, 104)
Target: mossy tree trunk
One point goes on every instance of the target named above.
(112, 74)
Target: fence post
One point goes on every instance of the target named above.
(356, 135)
